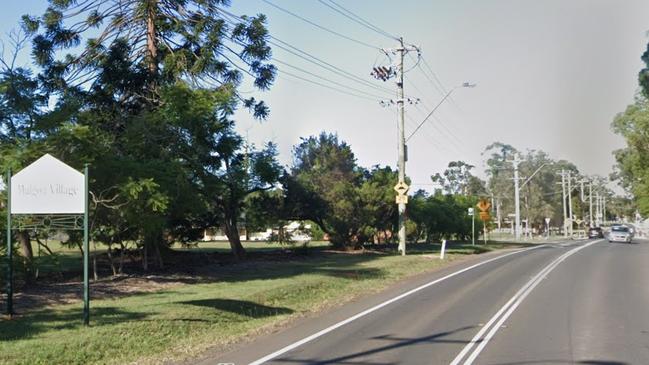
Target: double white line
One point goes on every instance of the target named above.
(480, 339)
(364, 313)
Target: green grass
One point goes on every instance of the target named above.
(256, 246)
(242, 300)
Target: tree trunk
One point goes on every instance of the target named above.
(145, 256)
(109, 253)
(151, 40)
(28, 255)
(232, 232)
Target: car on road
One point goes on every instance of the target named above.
(620, 234)
(595, 232)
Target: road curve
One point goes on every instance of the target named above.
(573, 302)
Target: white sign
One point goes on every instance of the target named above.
(547, 221)
(47, 186)
(470, 211)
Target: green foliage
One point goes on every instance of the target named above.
(154, 42)
(643, 76)
(458, 179)
(441, 216)
(352, 205)
(540, 196)
(632, 168)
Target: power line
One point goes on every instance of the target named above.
(326, 65)
(435, 143)
(375, 97)
(439, 89)
(327, 86)
(352, 16)
(441, 84)
(430, 69)
(320, 26)
(426, 110)
(287, 47)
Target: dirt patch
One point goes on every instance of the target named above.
(43, 295)
(180, 268)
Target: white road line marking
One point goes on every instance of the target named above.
(377, 307)
(509, 308)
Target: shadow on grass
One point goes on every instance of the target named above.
(31, 325)
(241, 307)
(324, 261)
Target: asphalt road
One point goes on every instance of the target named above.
(583, 302)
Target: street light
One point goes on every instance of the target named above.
(402, 158)
(465, 84)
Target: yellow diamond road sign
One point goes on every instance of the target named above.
(401, 188)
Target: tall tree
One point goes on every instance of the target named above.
(632, 169)
(123, 72)
(160, 41)
(643, 76)
(458, 179)
(22, 130)
(325, 168)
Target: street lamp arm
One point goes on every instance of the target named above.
(531, 176)
(466, 84)
(431, 113)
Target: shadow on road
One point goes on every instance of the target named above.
(396, 342)
(583, 362)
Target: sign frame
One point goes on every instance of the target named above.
(46, 221)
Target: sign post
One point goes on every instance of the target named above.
(86, 253)
(10, 264)
(48, 194)
(472, 214)
(484, 205)
(547, 227)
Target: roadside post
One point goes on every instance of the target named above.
(484, 205)
(547, 228)
(472, 215)
(443, 250)
(10, 264)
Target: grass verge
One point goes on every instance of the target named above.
(239, 301)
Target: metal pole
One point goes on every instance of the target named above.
(570, 200)
(484, 231)
(10, 265)
(473, 228)
(86, 253)
(402, 151)
(517, 207)
(604, 209)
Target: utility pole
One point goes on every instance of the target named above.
(570, 200)
(604, 209)
(517, 204)
(598, 211)
(563, 203)
(590, 204)
(384, 74)
(402, 149)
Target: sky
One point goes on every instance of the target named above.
(550, 75)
